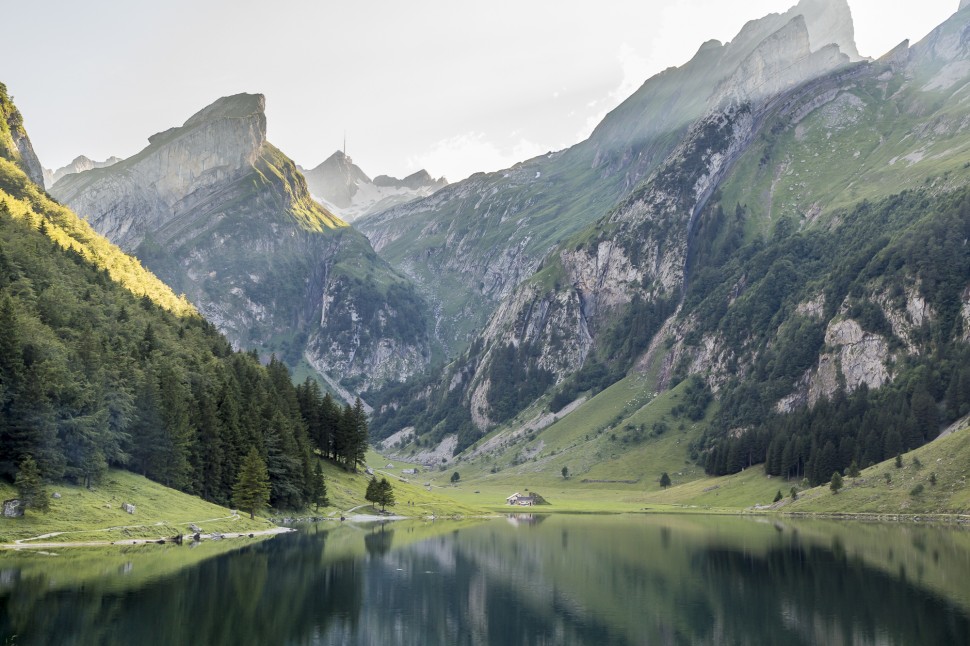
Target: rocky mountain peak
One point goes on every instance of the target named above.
(237, 106)
(782, 60)
(78, 164)
(829, 22)
(219, 144)
(347, 191)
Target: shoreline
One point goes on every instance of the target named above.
(141, 541)
(959, 519)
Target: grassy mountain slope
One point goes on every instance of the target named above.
(95, 515)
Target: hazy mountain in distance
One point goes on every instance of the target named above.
(345, 189)
(80, 163)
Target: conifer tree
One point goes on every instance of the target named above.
(359, 443)
(854, 470)
(251, 492)
(318, 488)
(836, 483)
(665, 480)
(30, 486)
(385, 493)
(371, 495)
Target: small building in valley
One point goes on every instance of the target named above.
(517, 498)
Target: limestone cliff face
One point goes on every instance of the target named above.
(639, 251)
(215, 147)
(778, 63)
(220, 214)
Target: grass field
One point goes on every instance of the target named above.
(95, 514)
(628, 483)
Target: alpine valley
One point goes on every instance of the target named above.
(760, 257)
(513, 409)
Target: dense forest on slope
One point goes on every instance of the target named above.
(101, 365)
(914, 244)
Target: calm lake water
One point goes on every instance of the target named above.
(529, 580)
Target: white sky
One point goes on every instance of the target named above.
(437, 84)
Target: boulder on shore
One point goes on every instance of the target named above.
(12, 508)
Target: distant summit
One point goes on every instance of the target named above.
(347, 190)
(80, 163)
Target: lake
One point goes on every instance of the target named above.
(556, 579)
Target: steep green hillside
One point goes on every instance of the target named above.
(22, 199)
(102, 366)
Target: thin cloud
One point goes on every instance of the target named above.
(471, 152)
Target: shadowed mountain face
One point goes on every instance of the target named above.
(468, 245)
(222, 215)
(345, 189)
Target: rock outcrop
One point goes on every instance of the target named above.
(220, 214)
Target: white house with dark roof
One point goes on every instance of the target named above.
(521, 500)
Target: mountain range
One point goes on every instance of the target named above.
(80, 163)
(759, 257)
(757, 246)
(224, 217)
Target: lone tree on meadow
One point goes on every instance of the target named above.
(665, 480)
(251, 491)
(379, 492)
(30, 486)
(455, 477)
(836, 483)
(565, 472)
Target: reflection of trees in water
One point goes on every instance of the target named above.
(567, 582)
(274, 592)
(816, 595)
(378, 541)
